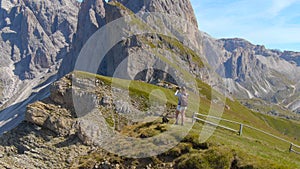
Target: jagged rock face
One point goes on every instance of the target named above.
(115, 10)
(254, 71)
(37, 31)
(95, 18)
(35, 35)
(231, 46)
(91, 17)
(180, 8)
(291, 57)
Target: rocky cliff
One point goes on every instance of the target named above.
(91, 17)
(35, 36)
(182, 8)
(266, 74)
(95, 14)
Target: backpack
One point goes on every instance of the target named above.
(184, 100)
(165, 119)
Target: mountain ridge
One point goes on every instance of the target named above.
(254, 71)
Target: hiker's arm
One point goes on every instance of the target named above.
(176, 93)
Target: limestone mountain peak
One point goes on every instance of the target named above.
(179, 8)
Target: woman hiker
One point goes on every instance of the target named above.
(182, 104)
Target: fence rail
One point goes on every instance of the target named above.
(240, 131)
(293, 150)
(214, 124)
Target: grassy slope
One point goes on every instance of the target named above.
(253, 148)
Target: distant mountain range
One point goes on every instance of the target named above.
(252, 71)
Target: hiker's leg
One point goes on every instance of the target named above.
(177, 113)
(176, 116)
(182, 115)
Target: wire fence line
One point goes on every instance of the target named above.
(240, 131)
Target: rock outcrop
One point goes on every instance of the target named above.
(54, 118)
(62, 127)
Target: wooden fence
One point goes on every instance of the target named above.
(240, 131)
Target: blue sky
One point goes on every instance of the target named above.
(273, 23)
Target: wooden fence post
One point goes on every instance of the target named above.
(193, 118)
(291, 147)
(241, 129)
